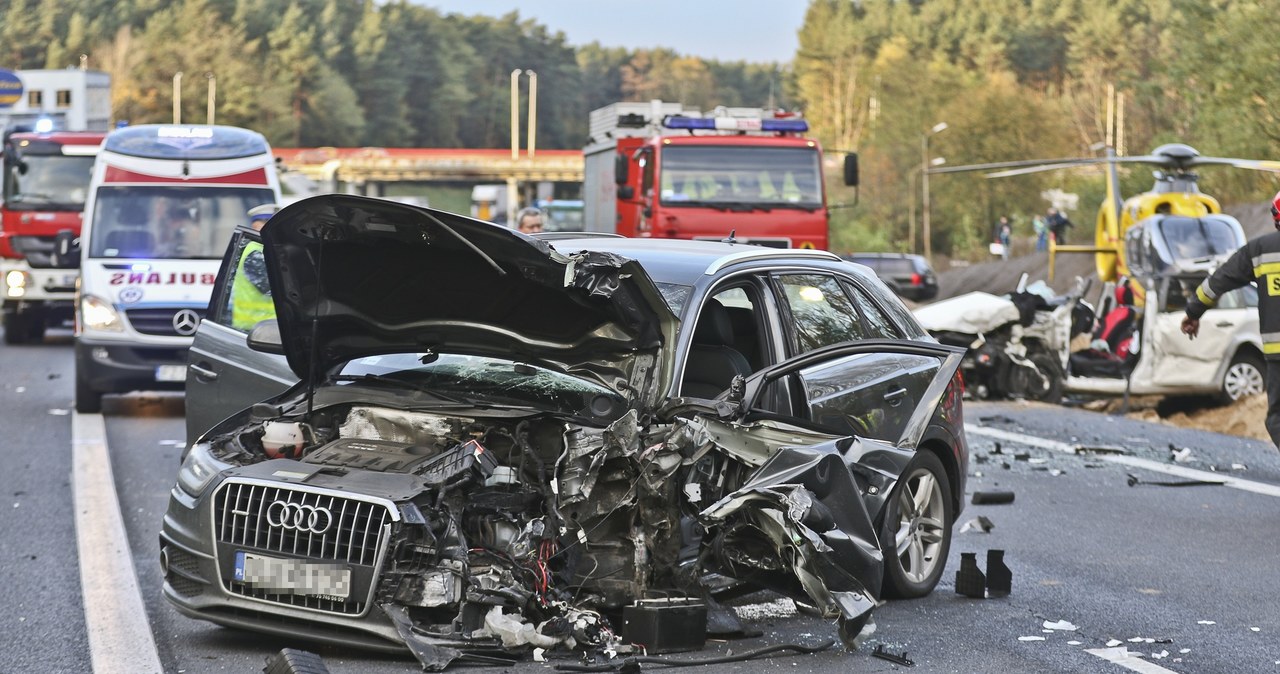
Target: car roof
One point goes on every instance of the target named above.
(684, 261)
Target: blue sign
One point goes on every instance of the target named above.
(10, 88)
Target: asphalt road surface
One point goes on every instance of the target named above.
(1182, 575)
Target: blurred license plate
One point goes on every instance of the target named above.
(293, 576)
(171, 373)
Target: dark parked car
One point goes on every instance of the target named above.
(497, 441)
(909, 276)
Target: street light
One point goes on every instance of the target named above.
(924, 187)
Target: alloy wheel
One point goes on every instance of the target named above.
(919, 538)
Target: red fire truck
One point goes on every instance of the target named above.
(46, 180)
(660, 170)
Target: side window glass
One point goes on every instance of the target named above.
(878, 325)
(822, 314)
(245, 296)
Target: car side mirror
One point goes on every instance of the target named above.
(851, 169)
(626, 192)
(265, 337)
(66, 250)
(621, 169)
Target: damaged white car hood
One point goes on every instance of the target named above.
(972, 313)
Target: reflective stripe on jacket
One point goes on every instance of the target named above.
(1258, 260)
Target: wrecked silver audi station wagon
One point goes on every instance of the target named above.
(500, 442)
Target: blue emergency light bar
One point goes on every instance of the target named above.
(735, 124)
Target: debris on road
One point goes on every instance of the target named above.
(1179, 454)
(999, 577)
(992, 497)
(1060, 626)
(294, 661)
(1099, 449)
(981, 523)
(970, 581)
(881, 653)
(1134, 480)
(1030, 638)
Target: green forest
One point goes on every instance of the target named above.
(1012, 79)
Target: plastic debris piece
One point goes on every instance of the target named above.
(992, 497)
(980, 523)
(538, 655)
(1179, 454)
(1060, 626)
(1113, 643)
(1022, 456)
(1056, 472)
(1099, 449)
(1255, 629)
(1030, 638)
(1185, 651)
(980, 458)
(1135, 480)
(997, 450)
(1073, 642)
(59, 412)
(970, 582)
(1239, 466)
(1038, 460)
(881, 653)
(999, 577)
(1206, 622)
(1161, 655)
(1135, 640)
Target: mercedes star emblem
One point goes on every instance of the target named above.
(185, 322)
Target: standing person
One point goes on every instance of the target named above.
(1258, 260)
(1003, 231)
(529, 220)
(251, 301)
(1042, 232)
(1058, 224)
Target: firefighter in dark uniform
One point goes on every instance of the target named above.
(1258, 260)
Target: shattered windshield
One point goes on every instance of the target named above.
(676, 295)
(486, 381)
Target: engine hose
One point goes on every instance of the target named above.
(633, 663)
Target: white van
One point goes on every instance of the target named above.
(162, 205)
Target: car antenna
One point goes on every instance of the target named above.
(733, 237)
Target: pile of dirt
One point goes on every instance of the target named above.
(998, 277)
(1243, 418)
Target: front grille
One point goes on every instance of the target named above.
(156, 321)
(355, 537)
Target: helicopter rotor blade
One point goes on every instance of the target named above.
(1066, 162)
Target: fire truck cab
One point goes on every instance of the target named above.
(45, 184)
(661, 170)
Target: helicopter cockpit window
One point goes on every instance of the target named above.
(1191, 238)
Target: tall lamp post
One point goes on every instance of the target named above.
(924, 187)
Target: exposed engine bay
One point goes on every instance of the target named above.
(513, 532)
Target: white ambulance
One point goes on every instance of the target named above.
(162, 205)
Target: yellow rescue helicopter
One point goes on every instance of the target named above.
(1175, 192)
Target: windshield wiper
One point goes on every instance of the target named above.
(31, 196)
(384, 379)
(696, 203)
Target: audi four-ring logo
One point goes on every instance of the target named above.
(307, 519)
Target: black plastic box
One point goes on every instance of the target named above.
(470, 460)
(665, 625)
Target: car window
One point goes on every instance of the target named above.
(1240, 298)
(895, 312)
(898, 266)
(822, 314)
(245, 299)
(877, 324)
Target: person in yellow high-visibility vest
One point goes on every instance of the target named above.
(251, 301)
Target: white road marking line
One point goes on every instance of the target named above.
(119, 635)
(1132, 461)
(1131, 661)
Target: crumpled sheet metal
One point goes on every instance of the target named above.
(807, 499)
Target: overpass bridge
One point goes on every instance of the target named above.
(367, 167)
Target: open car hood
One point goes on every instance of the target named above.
(354, 276)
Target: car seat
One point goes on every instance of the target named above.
(1112, 352)
(712, 362)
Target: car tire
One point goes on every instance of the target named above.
(1051, 389)
(88, 401)
(1246, 375)
(916, 535)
